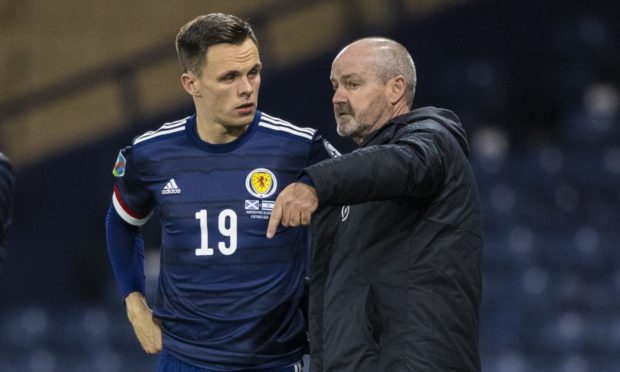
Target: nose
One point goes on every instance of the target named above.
(245, 87)
(338, 97)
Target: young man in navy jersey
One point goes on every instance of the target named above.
(228, 298)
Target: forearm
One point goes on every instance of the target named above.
(126, 253)
(376, 173)
(146, 327)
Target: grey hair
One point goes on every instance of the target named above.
(393, 59)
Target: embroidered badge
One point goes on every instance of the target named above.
(261, 183)
(331, 150)
(119, 167)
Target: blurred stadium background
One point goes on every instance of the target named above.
(536, 84)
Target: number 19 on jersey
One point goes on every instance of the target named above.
(227, 224)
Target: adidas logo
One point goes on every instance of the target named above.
(171, 188)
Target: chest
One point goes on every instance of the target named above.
(220, 180)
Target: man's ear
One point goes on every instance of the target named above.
(188, 81)
(395, 89)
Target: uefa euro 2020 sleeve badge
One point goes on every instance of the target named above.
(119, 166)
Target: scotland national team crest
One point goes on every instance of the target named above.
(261, 183)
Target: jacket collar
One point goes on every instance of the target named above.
(386, 132)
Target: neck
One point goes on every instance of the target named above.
(358, 139)
(218, 134)
(398, 109)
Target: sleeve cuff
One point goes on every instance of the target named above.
(305, 178)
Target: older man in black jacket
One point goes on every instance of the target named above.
(6, 202)
(396, 276)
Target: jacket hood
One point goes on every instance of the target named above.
(446, 118)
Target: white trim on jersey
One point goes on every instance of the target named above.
(285, 123)
(175, 126)
(165, 126)
(283, 126)
(284, 129)
(125, 216)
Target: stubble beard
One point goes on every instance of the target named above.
(346, 125)
(358, 126)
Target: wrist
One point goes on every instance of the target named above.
(136, 305)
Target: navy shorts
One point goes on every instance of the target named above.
(167, 363)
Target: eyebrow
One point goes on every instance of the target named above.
(257, 66)
(352, 75)
(347, 76)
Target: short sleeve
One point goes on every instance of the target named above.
(132, 200)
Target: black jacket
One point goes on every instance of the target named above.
(396, 277)
(6, 202)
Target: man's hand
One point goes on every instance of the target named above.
(147, 328)
(294, 207)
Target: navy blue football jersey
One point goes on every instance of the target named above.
(228, 297)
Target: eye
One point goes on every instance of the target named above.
(255, 71)
(353, 84)
(228, 78)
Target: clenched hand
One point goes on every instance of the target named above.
(294, 207)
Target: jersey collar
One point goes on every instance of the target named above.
(192, 134)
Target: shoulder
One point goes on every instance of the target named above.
(146, 146)
(3, 159)
(6, 184)
(428, 132)
(5, 165)
(426, 128)
(166, 131)
(277, 126)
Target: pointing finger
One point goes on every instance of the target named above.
(274, 220)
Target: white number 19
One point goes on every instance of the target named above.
(227, 224)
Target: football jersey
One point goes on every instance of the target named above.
(228, 297)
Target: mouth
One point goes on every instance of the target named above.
(245, 108)
(342, 113)
(342, 110)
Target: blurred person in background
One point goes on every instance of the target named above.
(6, 204)
(228, 298)
(396, 273)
